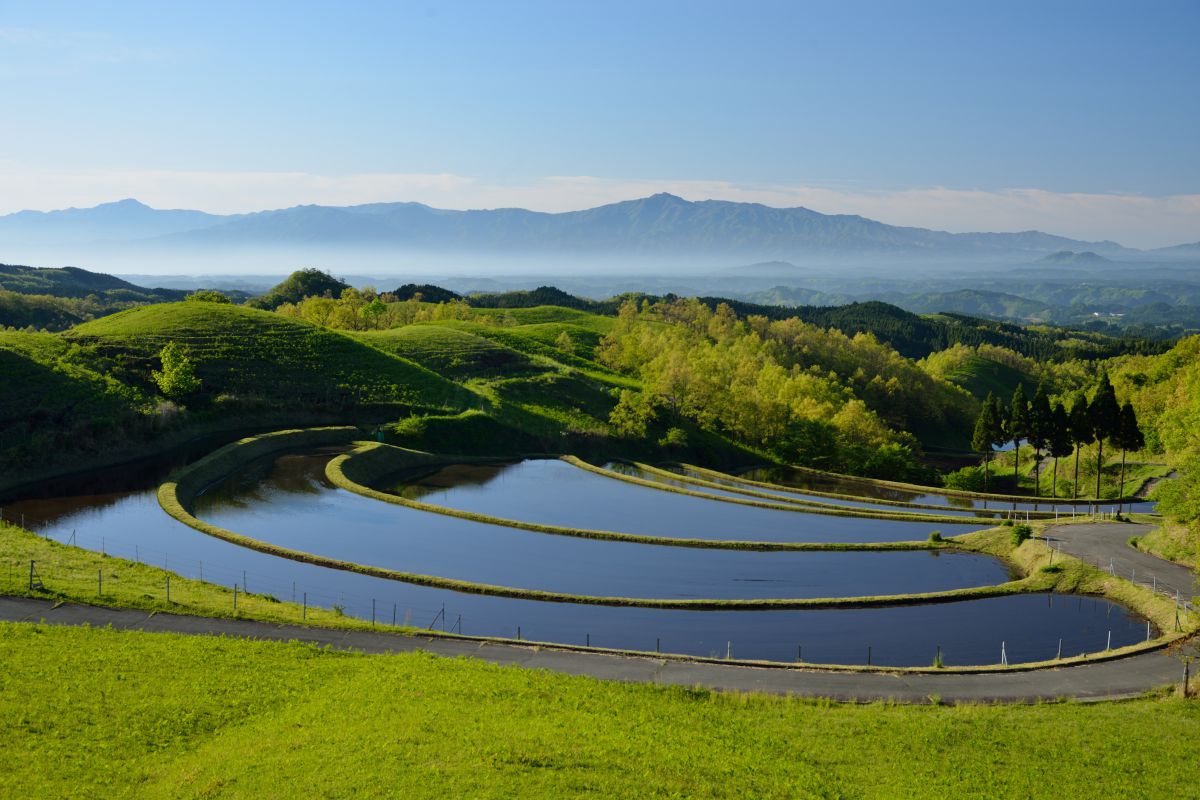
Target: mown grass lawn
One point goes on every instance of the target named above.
(101, 713)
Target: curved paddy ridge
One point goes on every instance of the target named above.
(118, 512)
(293, 505)
(553, 492)
(786, 479)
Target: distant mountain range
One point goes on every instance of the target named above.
(662, 225)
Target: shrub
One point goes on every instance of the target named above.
(935, 537)
(207, 296)
(676, 437)
(1020, 534)
(967, 479)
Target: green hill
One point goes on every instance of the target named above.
(51, 400)
(980, 375)
(75, 282)
(243, 353)
(452, 352)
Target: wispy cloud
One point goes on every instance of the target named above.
(1135, 220)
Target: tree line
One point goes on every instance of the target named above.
(1058, 431)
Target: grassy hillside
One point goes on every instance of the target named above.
(536, 315)
(52, 398)
(85, 713)
(977, 374)
(75, 282)
(242, 352)
(452, 352)
(56, 299)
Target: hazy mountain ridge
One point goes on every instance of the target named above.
(661, 224)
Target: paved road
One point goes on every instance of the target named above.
(1108, 680)
(1103, 543)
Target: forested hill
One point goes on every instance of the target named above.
(55, 299)
(76, 282)
(911, 335)
(916, 336)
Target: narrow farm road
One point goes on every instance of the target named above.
(1105, 680)
(1105, 543)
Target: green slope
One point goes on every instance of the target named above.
(244, 352)
(455, 353)
(980, 375)
(52, 399)
(104, 713)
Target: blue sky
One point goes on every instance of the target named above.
(1081, 118)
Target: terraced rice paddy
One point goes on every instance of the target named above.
(804, 481)
(741, 491)
(286, 499)
(553, 492)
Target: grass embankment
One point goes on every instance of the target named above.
(370, 461)
(175, 497)
(73, 574)
(811, 506)
(748, 482)
(85, 713)
(1057, 572)
(1172, 541)
(915, 488)
(1137, 475)
(815, 508)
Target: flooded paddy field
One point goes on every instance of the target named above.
(116, 511)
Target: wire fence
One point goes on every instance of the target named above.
(379, 609)
(1147, 578)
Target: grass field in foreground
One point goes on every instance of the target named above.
(89, 712)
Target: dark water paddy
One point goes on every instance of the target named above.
(117, 511)
(288, 501)
(804, 481)
(553, 492)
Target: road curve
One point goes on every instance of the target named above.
(1120, 678)
(1105, 543)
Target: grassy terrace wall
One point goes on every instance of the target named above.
(70, 577)
(355, 472)
(1067, 575)
(196, 477)
(175, 497)
(745, 483)
(780, 504)
(907, 487)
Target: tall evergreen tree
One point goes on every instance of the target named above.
(1105, 414)
(1038, 433)
(985, 434)
(1018, 428)
(1129, 437)
(1082, 433)
(1059, 441)
(998, 431)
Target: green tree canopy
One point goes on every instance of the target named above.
(1079, 423)
(207, 296)
(1105, 414)
(178, 377)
